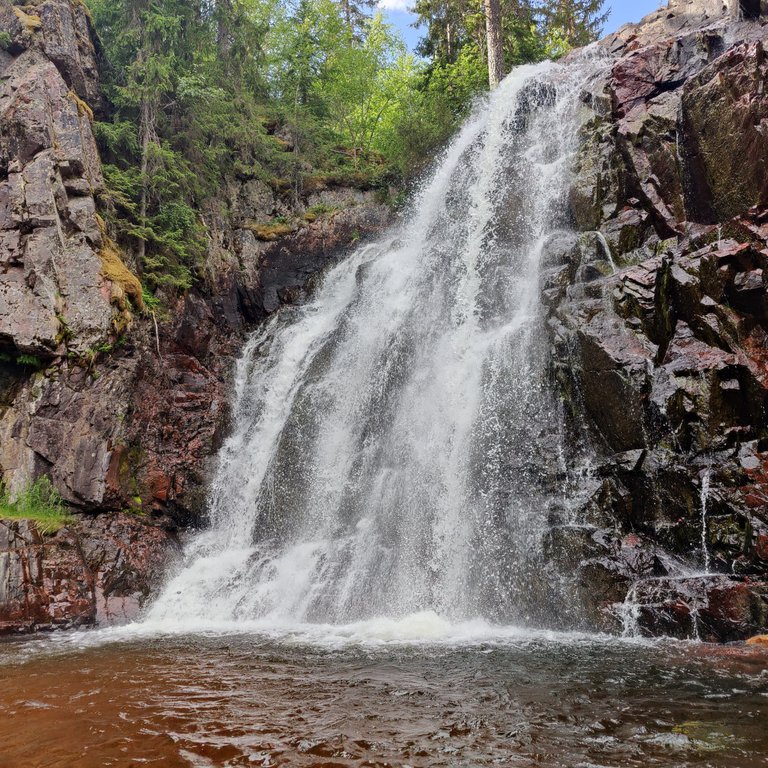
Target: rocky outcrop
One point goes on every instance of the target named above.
(94, 570)
(54, 286)
(660, 330)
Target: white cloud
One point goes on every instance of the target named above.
(395, 5)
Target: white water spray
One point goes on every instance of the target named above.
(629, 614)
(396, 442)
(703, 504)
(606, 249)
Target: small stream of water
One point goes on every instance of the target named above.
(706, 479)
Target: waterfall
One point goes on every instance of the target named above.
(396, 444)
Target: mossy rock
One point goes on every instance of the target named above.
(271, 231)
(31, 22)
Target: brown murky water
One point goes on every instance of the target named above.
(244, 700)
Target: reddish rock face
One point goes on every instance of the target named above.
(668, 356)
(727, 158)
(96, 570)
(36, 592)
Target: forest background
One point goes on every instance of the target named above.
(296, 94)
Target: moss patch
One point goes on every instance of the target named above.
(82, 108)
(271, 231)
(30, 21)
(124, 282)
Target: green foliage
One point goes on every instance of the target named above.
(568, 24)
(296, 93)
(40, 502)
(5, 41)
(151, 302)
(242, 89)
(532, 30)
(318, 211)
(29, 361)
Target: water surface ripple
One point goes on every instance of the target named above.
(250, 700)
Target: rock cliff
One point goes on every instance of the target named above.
(659, 323)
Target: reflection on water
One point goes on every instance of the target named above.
(246, 700)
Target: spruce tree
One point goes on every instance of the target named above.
(573, 23)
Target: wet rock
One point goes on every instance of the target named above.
(36, 591)
(664, 364)
(612, 366)
(98, 570)
(716, 609)
(286, 268)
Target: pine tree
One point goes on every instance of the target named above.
(355, 12)
(572, 23)
(447, 30)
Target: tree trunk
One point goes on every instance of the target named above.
(493, 37)
(346, 9)
(223, 31)
(145, 131)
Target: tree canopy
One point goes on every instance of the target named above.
(202, 91)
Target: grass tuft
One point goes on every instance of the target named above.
(271, 231)
(39, 502)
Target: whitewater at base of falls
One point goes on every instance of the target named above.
(397, 448)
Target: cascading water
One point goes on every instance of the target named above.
(396, 444)
(706, 479)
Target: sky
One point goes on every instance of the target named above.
(622, 11)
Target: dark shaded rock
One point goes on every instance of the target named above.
(715, 609)
(611, 366)
(724, 121)
(663, 365)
